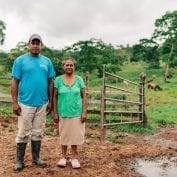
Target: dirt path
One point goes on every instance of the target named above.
(98, 159)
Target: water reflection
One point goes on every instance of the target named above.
(157, 167)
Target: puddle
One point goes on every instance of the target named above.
(160, 167)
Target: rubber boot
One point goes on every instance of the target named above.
(35, 147)
(20, 156)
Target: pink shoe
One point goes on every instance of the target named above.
(75, 163)
(62, 162)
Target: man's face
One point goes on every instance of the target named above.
(35, 47)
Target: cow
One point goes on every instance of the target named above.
(154, 86)
(142, 77)
(167, 76)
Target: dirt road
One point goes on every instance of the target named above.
(98, 159)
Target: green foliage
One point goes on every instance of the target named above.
(166, 33)
(166, 27)
(148, 56)
(160, 105)
(20, 49)
(56, 58)
(165, 51)
(163, 121)
(92, 54)
(146, 50)
(134, 128)
(48, 131)
(115, 139)
(49, 119)
(137, 53)
(5, 89)
(173, 63)
(3, 63)
(2, 33)
(5, 110)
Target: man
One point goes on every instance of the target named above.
(32, 91)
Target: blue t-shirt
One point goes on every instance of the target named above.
(33, 73)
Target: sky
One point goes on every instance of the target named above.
(62, 23)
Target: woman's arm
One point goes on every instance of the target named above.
(84, 104)
(55, 99)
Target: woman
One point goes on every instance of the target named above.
(70, 110)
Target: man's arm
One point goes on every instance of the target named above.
(50, 94)
(14, 94)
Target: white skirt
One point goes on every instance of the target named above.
(71, 131)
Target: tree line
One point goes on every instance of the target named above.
(93, 53)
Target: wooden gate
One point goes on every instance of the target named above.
(122, 101)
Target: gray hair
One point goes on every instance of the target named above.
(67, 59)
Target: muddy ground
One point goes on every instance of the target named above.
(98, 159)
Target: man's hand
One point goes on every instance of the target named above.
(16, 109)
(49, 108)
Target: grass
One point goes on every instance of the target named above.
(160, 105)
(48, 131)
(115, 139)
(6, 110)
(5, 81)
(49, 119)
(5, 90)
(134, 128)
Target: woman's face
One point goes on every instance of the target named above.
(69, 67)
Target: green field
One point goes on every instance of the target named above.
(160, 105)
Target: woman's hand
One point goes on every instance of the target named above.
(55, 117)
(83, 117)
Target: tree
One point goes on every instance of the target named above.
(2, 38)
(56, 58)
(151, 54)
(3, 62)
(164, 51)
(20, 49)
(92, 54)
(146, 50)
(2, 33)
(137, 52)
(166, 30)
(124, 52)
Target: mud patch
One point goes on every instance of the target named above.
(97, 158)
(160, 167)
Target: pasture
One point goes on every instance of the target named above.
(117, 155)
(160, 105)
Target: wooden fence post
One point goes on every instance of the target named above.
(103, 130)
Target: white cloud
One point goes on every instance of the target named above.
(62, 22)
